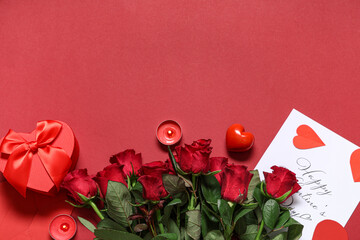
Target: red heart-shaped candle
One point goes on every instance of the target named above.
(237, 140)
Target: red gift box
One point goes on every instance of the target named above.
(39, 160)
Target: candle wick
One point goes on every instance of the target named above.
(65, 227)
(170, 133)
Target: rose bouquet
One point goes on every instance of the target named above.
(189, 196)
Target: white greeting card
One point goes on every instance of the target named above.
(321, 160)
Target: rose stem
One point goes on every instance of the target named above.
(97, 211)
(260, 230)
(228, 232)
(172, 159)
(158, 218)
(194, 183)
(193, 197)
(152, 229)
(178, 216)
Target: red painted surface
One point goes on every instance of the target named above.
(113, 70)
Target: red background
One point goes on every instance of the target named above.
(113, 70)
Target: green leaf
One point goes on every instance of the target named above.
(225, 211)
(188, 182)
(212, 173)
(251, 232)
(136, 191)
(181, 172)
(83, 198)
(77, 206)
(208, 220)
(242, 213)
(168, 208)
(252, 217)
(211, 190)
(193, 224)
(209, 213)
(294, 229)
(258, 196)
(258, 215)
(118, 200)
(184, 197)
(240, 226)
(148, 236)
(107, 223)
(87, 224)
(250, 205)
(173, 184)
(290, 222)
(263, 189)
(173, 160)
(173, 228)
(214, 235)
(284, 217)
(281, 236)
(109, 234)
(137, 187)
(283, 197)
(255, 180)
(295, 232)
(271, 213)
(183, 234)
(165, 236)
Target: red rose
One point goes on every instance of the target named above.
(154, 168)
(217, 163)
(129, 159)
(170, 167)
(113, 172)
(235, 182)
(78, 181)
(153, 188)
(280, 181)
(194, 158)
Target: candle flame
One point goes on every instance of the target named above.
(64, 227)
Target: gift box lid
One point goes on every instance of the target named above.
(39, 179)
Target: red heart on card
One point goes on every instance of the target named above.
(330, 230)
(355, 165)
(307, 138)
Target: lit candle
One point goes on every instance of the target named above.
(169, 132)
(62, 227)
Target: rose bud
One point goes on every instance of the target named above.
(153, 188)
(217, 163)
(154, 168)
(280, 181)
(113, 172)
(78, 181)
(194, 158)
(235, 180)
(130, 160)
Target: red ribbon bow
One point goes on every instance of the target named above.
(54, 159)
